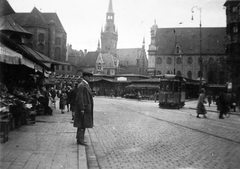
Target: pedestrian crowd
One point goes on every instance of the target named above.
(225, 102)
(78, 100)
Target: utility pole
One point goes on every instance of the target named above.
(200, 45)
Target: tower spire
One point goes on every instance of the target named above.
(98, 48)
(143, 45)
(110, 7)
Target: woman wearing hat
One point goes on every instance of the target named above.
(200, 106)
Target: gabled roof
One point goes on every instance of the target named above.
(89, 60)
(44, 19)
(35, 18)
(214, 40)
(54, 17)
(128, 55)
(110, 7)
(7, 23)
(5, 8)
(234, 1)
(108, 61)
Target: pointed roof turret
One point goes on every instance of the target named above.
(110, 7)
(143, 45)
(98, 48)
(5, 8)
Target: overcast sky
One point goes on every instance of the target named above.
(83, 19)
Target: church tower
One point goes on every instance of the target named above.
(109, 35)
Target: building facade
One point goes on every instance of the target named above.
(133, 60)
(233, 46)
(49, 36)
(177, 51)
(109, 36)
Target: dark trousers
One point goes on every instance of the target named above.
(221, 113)
(80, 134)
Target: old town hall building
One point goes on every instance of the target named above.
(177, 51)
(110, 60)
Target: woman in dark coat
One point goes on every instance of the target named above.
(63, 100)
(83, 109)
(223, 105)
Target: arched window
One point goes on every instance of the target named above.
(189, 74)
(58, 41)
(221, 77)
(210, 60)
(210, 77)
(169, 72)
(169, 60)
(41, 48)
(159, 60)
(200, 74)
(200, 60)
(40, 37)
(58, 53)
(190, 60)
(179, 73)
(179, 60)
(178, 49)
(99, 66)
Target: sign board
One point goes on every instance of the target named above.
(121, 79)
(229, 85)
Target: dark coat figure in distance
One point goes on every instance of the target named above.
(223, 105)
(83, 108)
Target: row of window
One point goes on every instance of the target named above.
(63, 67)
(41, 39)
(179, 73)
(179, 60)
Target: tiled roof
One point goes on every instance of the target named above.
(27, 19)
(5, 8)
(54, 17)
(214, 40)
(35, 18)
(128, 55)
(7, 23)
(108, 60)
(235, 2)
(89, 60)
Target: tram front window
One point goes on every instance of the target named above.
(169, 86)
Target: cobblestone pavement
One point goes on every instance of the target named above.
(131, 134)
(50, 143)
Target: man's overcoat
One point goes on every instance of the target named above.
(84, 101)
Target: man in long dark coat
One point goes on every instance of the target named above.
(83, 108)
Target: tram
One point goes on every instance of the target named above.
(172, 91)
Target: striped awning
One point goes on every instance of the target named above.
(9, 56)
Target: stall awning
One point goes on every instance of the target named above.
(9, 56)
(143, 86)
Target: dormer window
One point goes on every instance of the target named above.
(99, 66)
(178, 50)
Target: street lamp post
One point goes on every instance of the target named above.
(200, 45)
